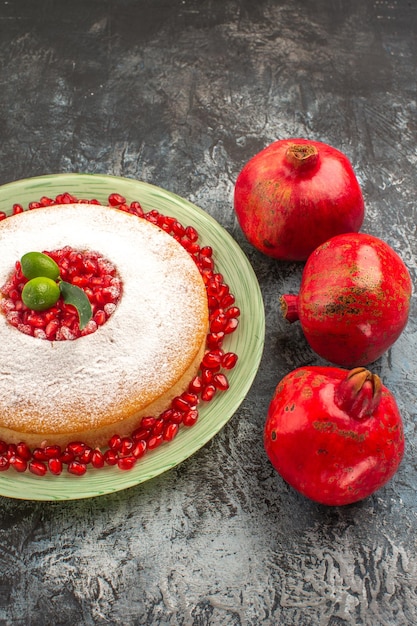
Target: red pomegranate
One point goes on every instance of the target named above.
(294, 195)
(334, 435)
(353, 301)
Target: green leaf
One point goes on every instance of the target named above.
(72, 294)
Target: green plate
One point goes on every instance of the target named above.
(247, 341)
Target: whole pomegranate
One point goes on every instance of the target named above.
(334, 435)
(354, 299)
(294, 195)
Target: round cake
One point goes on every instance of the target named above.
(143, 356)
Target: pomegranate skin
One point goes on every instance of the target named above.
(332, 455)
(294, 195)
(354, 299)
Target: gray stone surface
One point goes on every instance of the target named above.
(181, 94)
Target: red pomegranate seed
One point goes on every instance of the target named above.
(227, 301)
(141, 434)
(206, 376)
(77, 468)
(232, 311)
(52, 451)
(139, 449)
(176, 417)
(20, 465)
(220, 382)
(111, 457)
(2, 217)
(115, 199)
(213, 359)
(39, 454)
(208, 393)
(127, 462)
(229, 360)
(158, 428)
(17, 208)
(154, 442)
(148, 422)
(3, 447)
(126, 446)
(215, 340)
(190, 398)
(4, 463)
(170, 431)
(196, 385)
(180, 404)
(86, 455)
(97, 459)
(115, 443)
(231, 325)
(23, 451)
(67, 456)
(38, 468)
(55, 466)
(190, 417)
(76, 447)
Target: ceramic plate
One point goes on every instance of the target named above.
(247, 341)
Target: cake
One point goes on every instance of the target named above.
(134, 364)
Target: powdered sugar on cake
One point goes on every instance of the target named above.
(137, 350)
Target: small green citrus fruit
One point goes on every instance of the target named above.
(38, 264)
(40, 293)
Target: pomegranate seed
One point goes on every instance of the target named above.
(76, 447)
(206, 376)
(115, 443)
(154, 442)
(20, 465)
(127, 462)
(218, 324)
(232, 311)
(111, 457)
(180, 404)
(158, 428)
(229, 360)
(52, 451)
(23, 451)
(77, 468)
(2, 217)
(17, 208)
(176, 417)
(3, 447)
(39, 454)
(213, 359)
(227, 301)
(231, 325)
(97, 459)
(141, 434)
(148, 422)
(190, 398)
(208, 393)
(55, 466)
(67, 456)
(38, 468)
(190, 417)
(170, 431)
(196, 385)
(215, 340)
(126, 446)
(115, 199)
(4, 463)
(86, 455)
(139, 449)
(220, 382)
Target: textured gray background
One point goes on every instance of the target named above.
(181, 93)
